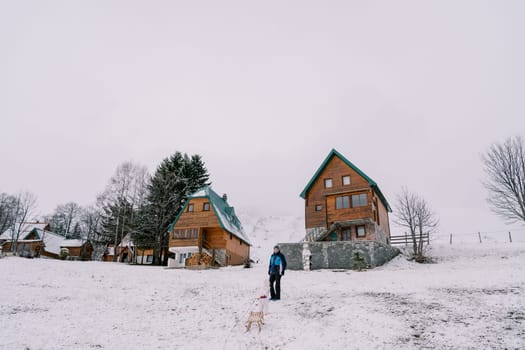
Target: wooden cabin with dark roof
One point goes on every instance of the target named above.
(342, 203)
(207, 232)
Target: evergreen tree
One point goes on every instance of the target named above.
(174, 180)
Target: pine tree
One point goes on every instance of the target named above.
(174, 180)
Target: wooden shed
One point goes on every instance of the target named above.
(342, 203)
(207, 232)
(77, 249)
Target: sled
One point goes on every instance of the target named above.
(256, 317)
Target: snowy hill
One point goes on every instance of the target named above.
(266, 231)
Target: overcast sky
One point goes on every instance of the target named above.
(412, 92)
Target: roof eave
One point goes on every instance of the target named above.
(327, 160)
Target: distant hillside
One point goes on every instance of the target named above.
(267, 231)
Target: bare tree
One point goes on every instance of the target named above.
(65, 218)
(504, 165)
(415, 214)
(125, 193)
(25, 204)
(7, 206)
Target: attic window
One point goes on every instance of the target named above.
(206, 206)
(318, 207)
(328, 183)
(346, 180)
(190, 207)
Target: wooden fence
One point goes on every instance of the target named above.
(406, 239)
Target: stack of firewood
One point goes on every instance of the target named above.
(199, 259)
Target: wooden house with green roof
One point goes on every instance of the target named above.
(207, 232)
(342, 203)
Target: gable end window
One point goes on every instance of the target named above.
(190, 208)
(318, 207)
(206, 206)
(346, 180)
(328, 183)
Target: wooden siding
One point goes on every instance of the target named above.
(199, 217)
(77, 251)
(317, 194)
(193, 242)
(237, 250)
(211, 235)
(347, 214)
(384, 222)
(218, 238)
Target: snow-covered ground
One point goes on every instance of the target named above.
(473, 297)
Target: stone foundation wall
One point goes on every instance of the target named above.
(336, 255)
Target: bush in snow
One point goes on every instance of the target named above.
(358, 262)
(64, 253)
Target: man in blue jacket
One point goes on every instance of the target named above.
(276, 270)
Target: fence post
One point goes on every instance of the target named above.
(479, 235)
(510, 237)
(451, 238)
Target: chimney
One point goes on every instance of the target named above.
(225, 197)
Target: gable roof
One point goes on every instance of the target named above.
(334, 153)
(52, 241)
(25, 230)
(224, 213)
(72, 243)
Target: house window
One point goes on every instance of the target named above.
(149, 258)
(361, 232)
(359, 200)
(182, 257)
(190, 207)
(328, 183)
(345, 234)
(342, 202)
(231, 236)
(346, 180)
(318, 207)
(206, 206)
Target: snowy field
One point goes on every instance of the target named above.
(473, 297)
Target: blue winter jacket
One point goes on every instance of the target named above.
(277, 260)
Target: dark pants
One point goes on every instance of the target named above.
(275, 293)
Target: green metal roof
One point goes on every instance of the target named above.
(334, 153)
(224, 213)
